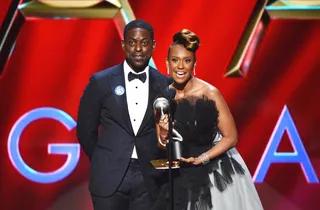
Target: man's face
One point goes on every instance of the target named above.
(138, 47)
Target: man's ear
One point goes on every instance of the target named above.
(122, 44)
(154, 44)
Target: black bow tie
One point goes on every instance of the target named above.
(141, 77)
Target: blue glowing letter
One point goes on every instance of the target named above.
(71, 150)
(271, 155)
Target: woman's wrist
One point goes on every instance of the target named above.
(161, 142)
(204, 158)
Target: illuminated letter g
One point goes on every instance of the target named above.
(71, 150)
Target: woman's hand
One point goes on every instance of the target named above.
(164, 127)
(191, 160)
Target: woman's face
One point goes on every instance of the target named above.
(180, 63)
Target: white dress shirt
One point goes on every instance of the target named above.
(137, 94)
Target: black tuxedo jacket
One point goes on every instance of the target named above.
(105, 133)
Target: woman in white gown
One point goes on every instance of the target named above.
(212, 174)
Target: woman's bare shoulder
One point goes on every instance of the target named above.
(205, 88)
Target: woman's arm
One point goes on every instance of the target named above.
(226, 126)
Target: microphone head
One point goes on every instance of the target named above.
(161, 105)
(171, 93)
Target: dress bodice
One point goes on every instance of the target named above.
(196, 120)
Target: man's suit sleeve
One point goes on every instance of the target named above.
(89, 117)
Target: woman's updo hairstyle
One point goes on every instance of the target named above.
(188, 39)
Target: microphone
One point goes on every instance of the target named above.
(171, 93)
(162, 104)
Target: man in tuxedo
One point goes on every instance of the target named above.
(116, 126)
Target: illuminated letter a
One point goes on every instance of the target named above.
(285, 123)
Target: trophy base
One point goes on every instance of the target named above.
(164, 164)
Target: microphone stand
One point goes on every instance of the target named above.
(166, 105)
(171, 196)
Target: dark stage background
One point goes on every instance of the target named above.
(53, 60)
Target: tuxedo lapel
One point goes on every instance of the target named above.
(119, 90)
(154, 88)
